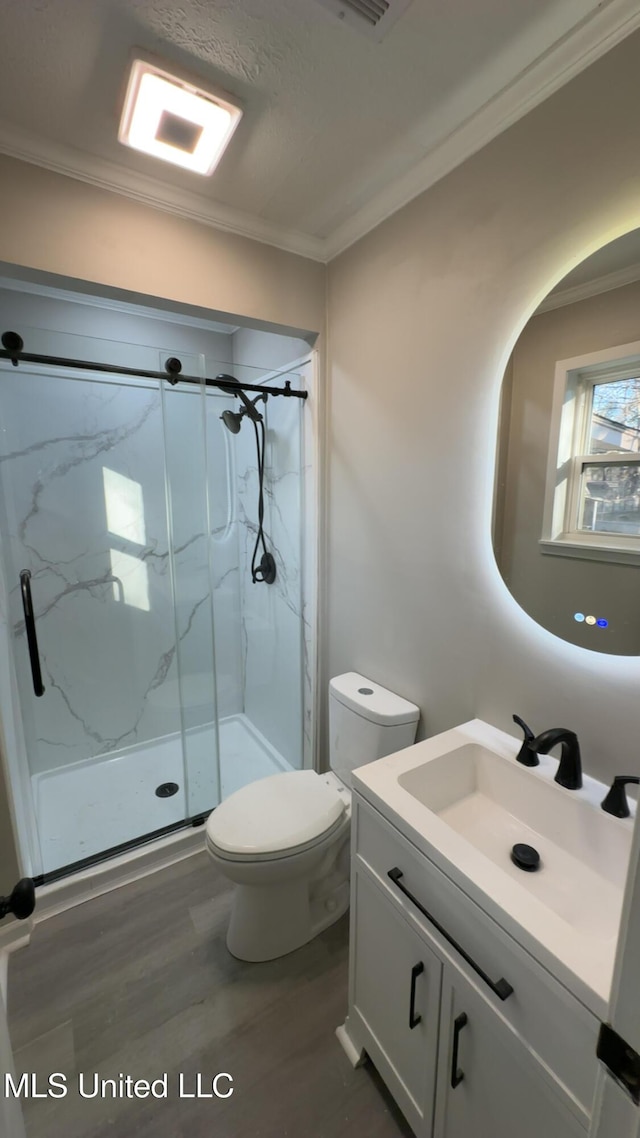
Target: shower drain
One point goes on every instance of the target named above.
(166, 789)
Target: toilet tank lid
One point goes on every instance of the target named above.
(373, 702)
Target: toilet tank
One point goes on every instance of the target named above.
(366, 722)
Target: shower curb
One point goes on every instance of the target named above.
(118, 871)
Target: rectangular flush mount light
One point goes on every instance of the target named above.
(172, 119)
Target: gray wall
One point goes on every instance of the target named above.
(423, 315)
(265, 351)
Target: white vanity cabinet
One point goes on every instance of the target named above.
(459, 1060)
(489, 1084)
(396, 990)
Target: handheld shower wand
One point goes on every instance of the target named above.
(265, 570)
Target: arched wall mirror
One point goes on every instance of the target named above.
(566, 518)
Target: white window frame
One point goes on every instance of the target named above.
(568, 443)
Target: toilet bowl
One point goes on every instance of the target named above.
(284, 840)
(291, 870)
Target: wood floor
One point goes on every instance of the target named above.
(139, 982)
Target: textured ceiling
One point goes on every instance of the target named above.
(331, 116)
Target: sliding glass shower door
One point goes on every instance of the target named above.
(104, 513)
(129, 514)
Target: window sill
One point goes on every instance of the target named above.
(590, 551)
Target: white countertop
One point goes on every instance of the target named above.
(583, 963)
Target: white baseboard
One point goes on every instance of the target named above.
(356, 1055)
(13, 934)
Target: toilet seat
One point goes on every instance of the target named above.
(290, 853)
(275, 817)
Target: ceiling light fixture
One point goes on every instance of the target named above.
(172, 119)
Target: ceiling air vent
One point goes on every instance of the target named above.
(373, 17)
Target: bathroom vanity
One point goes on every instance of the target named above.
(477, 988)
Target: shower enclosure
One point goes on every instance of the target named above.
(129, 514)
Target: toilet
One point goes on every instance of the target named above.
(284, 840)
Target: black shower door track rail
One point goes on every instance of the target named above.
(12, 350)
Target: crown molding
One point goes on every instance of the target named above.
(107, 175)
(595, 36)
(606, 283)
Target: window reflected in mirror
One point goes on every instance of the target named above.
(566, 524)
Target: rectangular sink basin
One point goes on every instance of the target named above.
(495, 803)
(463, 799)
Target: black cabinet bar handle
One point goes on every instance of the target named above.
(30, 626)
(416, 971)
(501, 988)
(456, 1074)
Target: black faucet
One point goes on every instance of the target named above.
(616, 800)
(569, 773)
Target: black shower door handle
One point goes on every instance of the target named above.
(32, 637)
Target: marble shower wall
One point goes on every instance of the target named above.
(272, 615)
(224, 553)
(85, 509)
(279, 621)
(72, 453)
(83, 504)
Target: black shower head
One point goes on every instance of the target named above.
(232, 420)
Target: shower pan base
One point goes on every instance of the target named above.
(108, 801)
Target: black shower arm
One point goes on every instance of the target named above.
(249, 404)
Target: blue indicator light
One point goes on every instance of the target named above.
(602, 623)
(579, 616)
